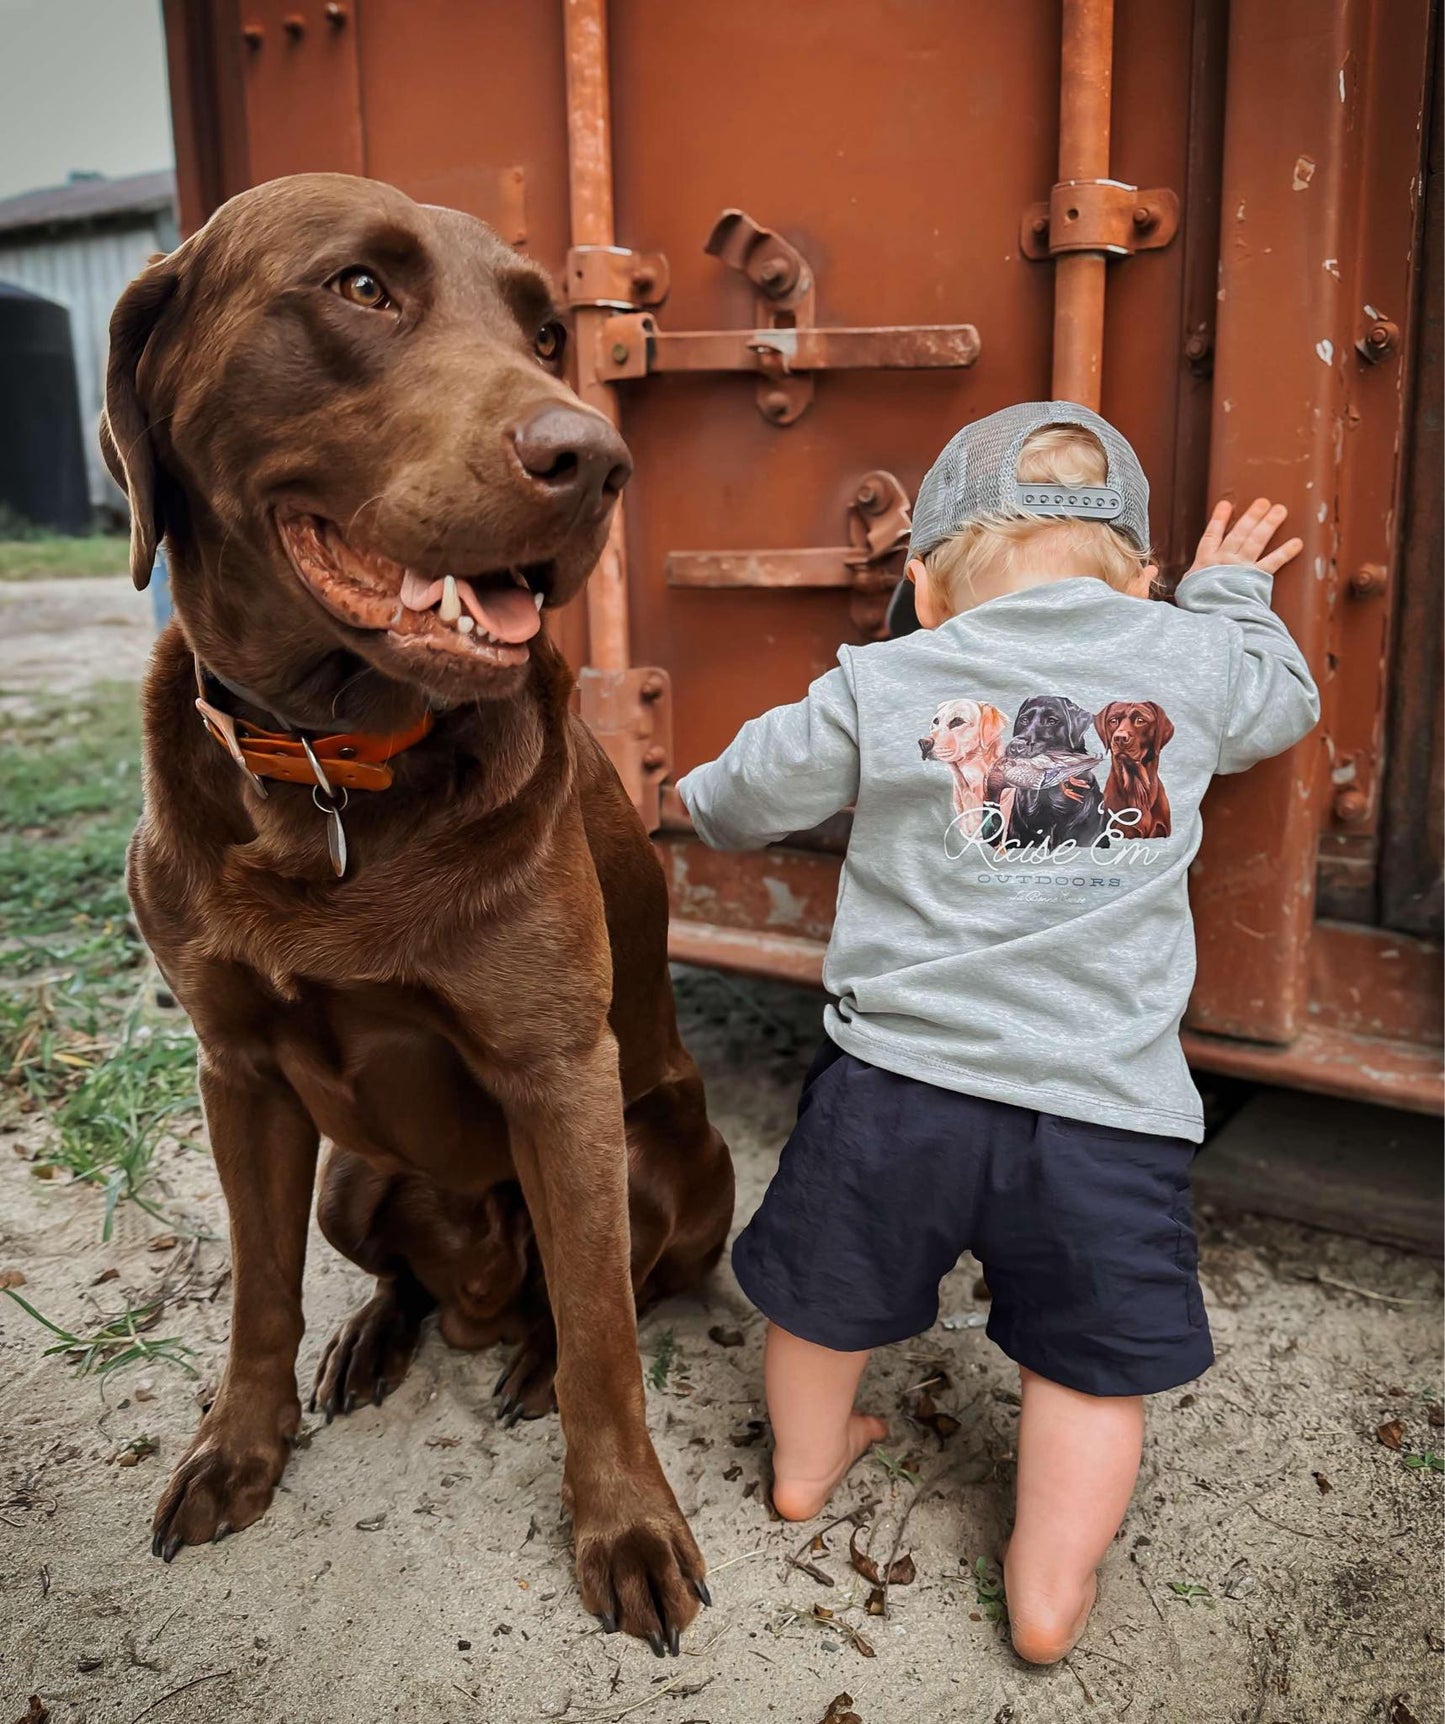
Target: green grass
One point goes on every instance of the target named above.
(115, 1342)
(76, 1044)
(988, 1589)
(50, 556)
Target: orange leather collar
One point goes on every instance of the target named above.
(352, 760)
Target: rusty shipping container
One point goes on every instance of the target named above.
(803, 242)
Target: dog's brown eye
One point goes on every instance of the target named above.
(954, 723)
(362, 288)
(551, 342)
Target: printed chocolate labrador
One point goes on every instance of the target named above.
(345, 414)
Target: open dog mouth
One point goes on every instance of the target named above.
(487, 618)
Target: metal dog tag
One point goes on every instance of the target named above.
(336, 842)
(331, 807)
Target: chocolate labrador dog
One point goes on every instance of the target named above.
(395, 883)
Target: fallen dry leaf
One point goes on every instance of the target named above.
(751, 1432)
(162, 1242)
(927, 1412)
(35, 1713)
(875, 1601)
(725, 1337)
(1324, 1484)
(43, 1170)
(900, 1573)
(11, 1278)
(106, 1275)
(1400, 1713)
(840, 1711)
(1435, 1413)
(1391, 1434)
(442, 1442)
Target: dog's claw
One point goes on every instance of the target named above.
(157, 1544)
(512, 1418)
(674, 1641)
(654, 1640)
(700, 1588)
(173, 1544)
(608, 1621)
(497, 1386)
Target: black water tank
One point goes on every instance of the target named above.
(42, 452)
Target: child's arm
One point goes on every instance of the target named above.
(782, 773)
(1272, 699)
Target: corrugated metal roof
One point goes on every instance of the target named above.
(88, 200)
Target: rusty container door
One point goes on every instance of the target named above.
(804, 243)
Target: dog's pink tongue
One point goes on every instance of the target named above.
(506, 613)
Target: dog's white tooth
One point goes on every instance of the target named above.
(450, 607)
(540, 598)
(465, 625)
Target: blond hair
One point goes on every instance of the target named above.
(990, 544)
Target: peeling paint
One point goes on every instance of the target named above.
(1323, 512)
(1304, 172)
(1331, 266)
(785, 908)
(1325, 349)
(1345, 774)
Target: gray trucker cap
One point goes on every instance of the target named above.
(977, 474)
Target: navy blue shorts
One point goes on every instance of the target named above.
(1084, 1231)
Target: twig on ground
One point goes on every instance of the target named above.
(747, 1556)
(608, 1714)
(1069, 1666)
(195, 1682)
(1298, 1531)
(1360, 1292)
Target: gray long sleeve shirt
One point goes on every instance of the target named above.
(1013, 913)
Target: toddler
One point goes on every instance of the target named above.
(1010, 961)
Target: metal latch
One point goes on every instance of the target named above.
(1099, 215)
(785, 348)
(870, 565)
(630, 714)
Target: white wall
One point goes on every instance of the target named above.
(86, 274)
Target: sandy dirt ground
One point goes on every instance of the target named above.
(1280, 1563)
(57, 636)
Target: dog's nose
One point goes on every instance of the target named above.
(575, 457)
(1015, 749)
(925, 746)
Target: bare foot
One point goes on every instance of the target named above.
(1044, 1629)
(799, 1497)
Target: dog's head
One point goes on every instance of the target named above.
(964, 730)
(1049, 724)
(332, 398)
(1134, 729)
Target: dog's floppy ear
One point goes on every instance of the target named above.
(1080, 723)
(992, 728)
(125, 439)
(1163, 726)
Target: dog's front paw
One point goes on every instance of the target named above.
(368, 1355)
(226, 1479)
(641, 1571)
